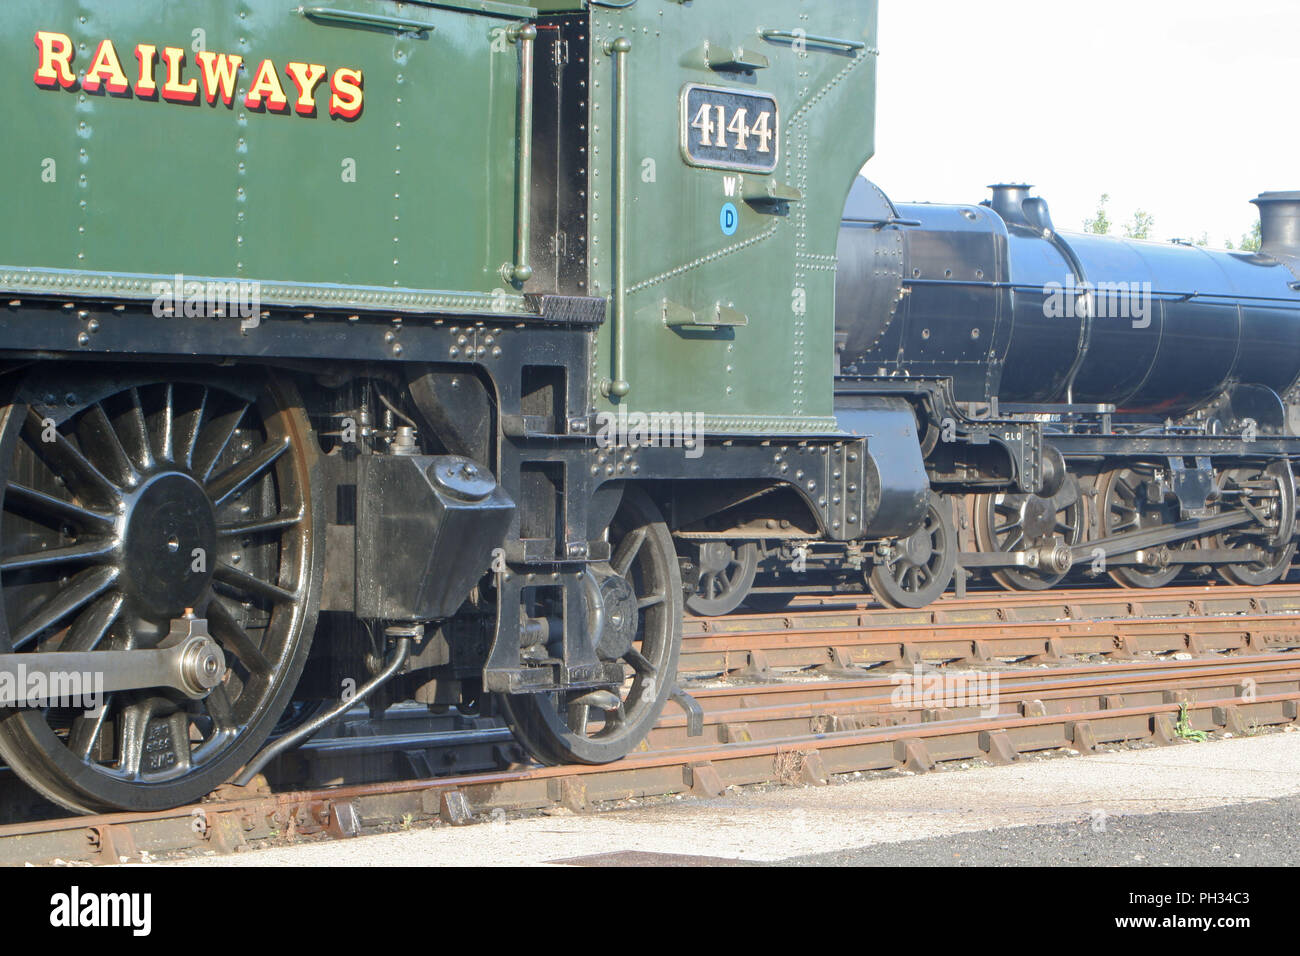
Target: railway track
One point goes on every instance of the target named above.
(796, 697)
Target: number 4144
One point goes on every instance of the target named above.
(712, 123)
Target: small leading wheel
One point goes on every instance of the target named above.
(726, 575)
(124, 505)
(916, 571)
(1128, 501)
(1019, 522)
(639, 627)
(1269, 493)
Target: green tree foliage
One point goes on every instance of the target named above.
(1252, 240)
(1100, 225)
(1142, 225)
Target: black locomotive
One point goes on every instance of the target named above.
(1082, 403)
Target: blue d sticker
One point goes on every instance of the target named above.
(730, 219)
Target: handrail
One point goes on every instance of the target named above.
(620, 386)
(520, 271)
(357, 18)
(798, 36)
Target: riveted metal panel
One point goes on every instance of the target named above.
(410, 199)
(774, 373)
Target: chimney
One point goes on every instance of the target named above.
(1279, 218)
(1009, 201)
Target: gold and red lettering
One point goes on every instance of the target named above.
(54, 65)
(173, 89)
(346, 96)
(266, 91)
(219, 71)
(146, 86)
(106, 72)
(306, 77)
(216, 77)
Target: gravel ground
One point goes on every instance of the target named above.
(1225, 801)
(1252, 834)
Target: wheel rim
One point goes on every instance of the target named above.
(726, 575)
(1270, 492)
(108, 502)
(1124, 508)
(1007, 523)
(558, 727)
(918, 569)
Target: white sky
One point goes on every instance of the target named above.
(1187, 109)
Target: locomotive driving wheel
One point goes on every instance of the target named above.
(1021, 522)
(1268, 493)
(1128, 500)
(124, 505)
(726, 575)
(915, 571)
(640, 628)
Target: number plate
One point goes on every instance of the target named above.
(730, 129)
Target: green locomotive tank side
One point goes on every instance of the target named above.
(408, 204)
(817, 60)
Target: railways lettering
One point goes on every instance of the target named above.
(217, 79)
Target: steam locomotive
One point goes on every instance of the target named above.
(440, 350)
(1160, 381)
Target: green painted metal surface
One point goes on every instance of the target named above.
(410, 206)
(415, 193)
(778, 269)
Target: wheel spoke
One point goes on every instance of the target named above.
(639, 663)
(627, 551)
(37, 503)
(91, 627)
(232, 637)
(83, 589)
(219, 708)
(281, 522)
(72, 554)
(188, 428)
(136, 433)
(651, 600)
(245, 582)
(165, 428)
(214, 440)
(101, 443)
(59, 454)
(86, 729)
(577, 717)
(231, 482)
